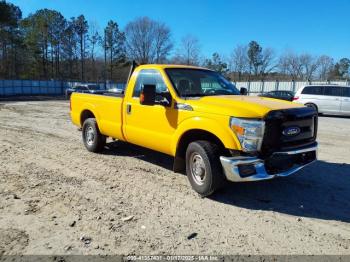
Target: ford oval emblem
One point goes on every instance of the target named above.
(291, 131)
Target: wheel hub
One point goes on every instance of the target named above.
(90, 135)
(197, 168)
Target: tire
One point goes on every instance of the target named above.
(203, 167)
(93, 140)
(312, 106)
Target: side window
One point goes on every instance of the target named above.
(333, 91)
(346, 91)
(149, 77)
(313, 90)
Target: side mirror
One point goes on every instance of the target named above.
(164, 98)
(244, 91)
(148, 95)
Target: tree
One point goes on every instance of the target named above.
(309, 65)
(216, 64)
(239, 60)
(302, 66)
(254, 57)
(56, 29)
(81, 28)
(163, 44)
(267, 61)
(343, 67)
(10, 39)
(70, 50)
(114, 45)
(189, 51)
(326, 66)
(94, 39)
(289, 64)
(42, 37)
(148, 41)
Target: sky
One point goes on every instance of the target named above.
(313, 26)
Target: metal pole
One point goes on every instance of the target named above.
(105, 69)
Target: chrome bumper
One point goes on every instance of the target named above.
(232, 172)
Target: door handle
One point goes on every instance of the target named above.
(128, 109)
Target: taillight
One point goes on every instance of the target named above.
(295, 98)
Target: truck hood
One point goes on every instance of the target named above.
(240, 106)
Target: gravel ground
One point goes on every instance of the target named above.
(57, 198)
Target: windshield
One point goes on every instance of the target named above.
(199, 82)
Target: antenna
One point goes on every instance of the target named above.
(132, 69)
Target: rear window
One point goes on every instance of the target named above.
(333, 91)
(313, 90)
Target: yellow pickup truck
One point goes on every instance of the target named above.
(214, 131)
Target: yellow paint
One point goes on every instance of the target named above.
(160, 128)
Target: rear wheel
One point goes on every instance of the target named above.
(93, 140)
(203, 167)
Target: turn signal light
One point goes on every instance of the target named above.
(142, 98)
(238, 130)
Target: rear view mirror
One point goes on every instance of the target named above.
(148, 95)
(244, 91)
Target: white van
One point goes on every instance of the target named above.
(326, 99)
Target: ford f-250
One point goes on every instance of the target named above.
(214, 131)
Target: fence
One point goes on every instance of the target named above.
(51, 87)
(30, 87)
(256, 87)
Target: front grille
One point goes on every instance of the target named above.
(305, 119)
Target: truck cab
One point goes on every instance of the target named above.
(194, 114)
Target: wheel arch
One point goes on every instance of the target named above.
(312, 104)
(204, 129)
(88, 111)
(85, 114)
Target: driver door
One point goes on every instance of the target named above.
(150, 126)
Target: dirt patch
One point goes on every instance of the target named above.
(57, 198)
(12, 241)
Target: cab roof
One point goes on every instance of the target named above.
(164, 66)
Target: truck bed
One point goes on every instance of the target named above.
(106, 108)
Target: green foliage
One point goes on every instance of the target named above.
(343, 67)
(114, 46)
(46, 45)
(10, 39)
(9, 15)
(255, 56)
(115, 42)
(216, 64)
(42, 33)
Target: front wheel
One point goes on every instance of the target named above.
(203, 167)
(93, 140)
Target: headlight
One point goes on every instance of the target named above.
(250, 133)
